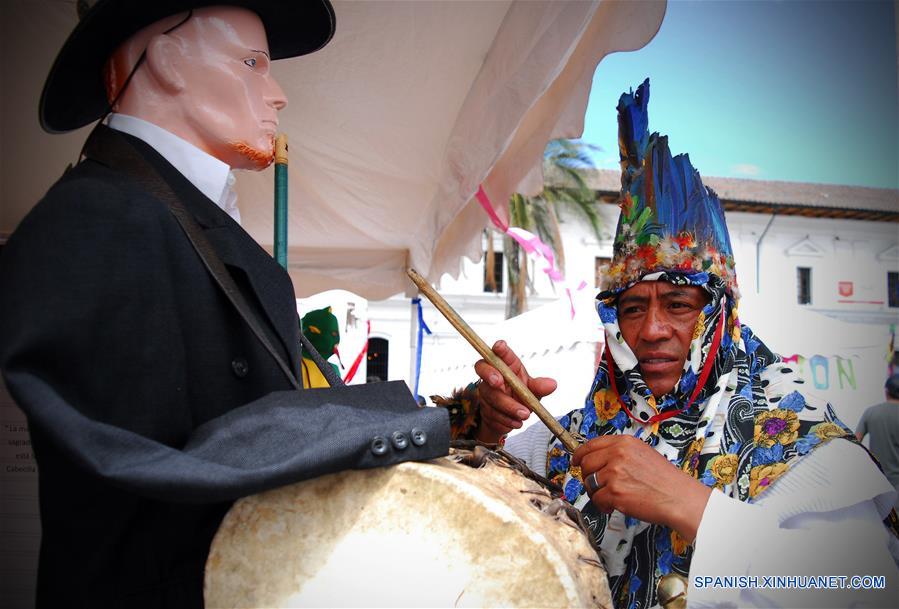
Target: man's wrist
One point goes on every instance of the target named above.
(688, 509)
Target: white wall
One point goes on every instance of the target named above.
(842, 340)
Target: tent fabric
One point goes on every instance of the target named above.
(392, 126)
(412, 105)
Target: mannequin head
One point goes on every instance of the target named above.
(207, 81)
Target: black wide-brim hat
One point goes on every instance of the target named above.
(74, 94)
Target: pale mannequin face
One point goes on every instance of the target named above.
(208, 82)
(231, 100)
(657, 320)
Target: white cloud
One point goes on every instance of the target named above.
(746, 169)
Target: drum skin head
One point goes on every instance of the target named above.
(434, 534)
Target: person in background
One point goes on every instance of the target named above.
(323, 332)
(881, 422)
(703, 455)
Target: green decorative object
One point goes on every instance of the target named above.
(321, 328)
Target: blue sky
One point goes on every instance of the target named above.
(796, 90)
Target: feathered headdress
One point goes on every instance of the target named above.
(669, 220)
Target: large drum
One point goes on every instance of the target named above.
(435, 534)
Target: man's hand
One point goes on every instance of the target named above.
(638, 481)
(501, 412)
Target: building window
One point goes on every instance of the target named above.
(893, 288)
(378, 357)
(599, 264)
(803, 285)
(497, 284)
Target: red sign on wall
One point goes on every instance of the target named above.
(845, 288)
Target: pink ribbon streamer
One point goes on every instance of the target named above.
(484, 200)
(530, 243)
(581, 286)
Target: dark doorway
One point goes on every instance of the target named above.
(495, 283)
(378, 356)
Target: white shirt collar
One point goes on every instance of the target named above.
(210, 176)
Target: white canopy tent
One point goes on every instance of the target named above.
(393, 126)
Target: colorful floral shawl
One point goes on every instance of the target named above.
(747, 424)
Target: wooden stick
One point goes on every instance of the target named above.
(518, 387)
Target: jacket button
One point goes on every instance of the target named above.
(399, 440)
(419, 437)
(379, 445)
(240, 367)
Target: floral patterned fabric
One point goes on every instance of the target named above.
(747, 426)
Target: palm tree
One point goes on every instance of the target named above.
(564, 160)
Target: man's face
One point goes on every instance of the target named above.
(231, 100)
(657, 320)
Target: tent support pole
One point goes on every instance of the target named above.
(413, 340)
(280, 238)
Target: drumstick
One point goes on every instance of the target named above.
(518, 387)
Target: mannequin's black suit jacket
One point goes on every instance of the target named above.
(151, 404)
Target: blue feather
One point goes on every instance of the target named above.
(677, 196)
(633, 124)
